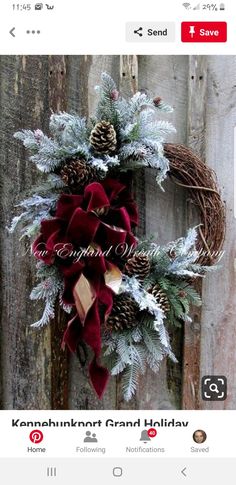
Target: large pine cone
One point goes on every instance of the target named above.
(139, 266)
(77, 173)
(160, 297)
(124, 313)
(103, 138)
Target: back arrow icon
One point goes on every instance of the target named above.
(184, 472)
(12, 31)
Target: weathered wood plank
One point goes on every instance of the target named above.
(25, 353)
(164, 214)
(128, 75)
(57, 99)
(84, 74)
(196, 126)
(218, 334)
(128, 85)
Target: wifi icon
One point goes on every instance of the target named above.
(187, 6)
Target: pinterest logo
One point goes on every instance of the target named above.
(36, 436)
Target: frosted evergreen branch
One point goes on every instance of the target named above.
(152, 342)
(130, 381)
(102, 165)
(106, 107)
(47, 153)
(118, 367)
(38, 201)
(178, 258)
(138, 102)
(15, 221)
(131, 358)
(30, 139)
(36, 208)
(154, 129)
(49, 289)
(147, 130)
(145, 300)
(66, 308)
(68, 129)
(141, 101)
(53, 183)
(48, 314)
(165, 108)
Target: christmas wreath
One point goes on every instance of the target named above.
(122, 294)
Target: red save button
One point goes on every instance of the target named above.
(204, 32)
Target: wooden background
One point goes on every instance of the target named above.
(34, 373)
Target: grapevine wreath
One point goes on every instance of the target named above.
(122, 294)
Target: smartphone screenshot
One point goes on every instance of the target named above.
(118, 242)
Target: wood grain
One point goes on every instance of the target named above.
(25, 353)
(196, 126)
(165, 214)
(218, 334)
(128, 85)
(34, 371)
(84, 74)
(57, 99)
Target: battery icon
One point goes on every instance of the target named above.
(222, 6)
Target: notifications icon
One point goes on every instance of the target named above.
(148, 434)
(36, 436)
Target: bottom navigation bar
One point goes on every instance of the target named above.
(108, 434)
(117, 471)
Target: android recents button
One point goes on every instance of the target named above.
(150, 31)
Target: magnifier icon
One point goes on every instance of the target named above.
(214, 388)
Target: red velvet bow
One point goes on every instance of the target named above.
(103, 216)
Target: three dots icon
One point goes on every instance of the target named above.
(33, 32)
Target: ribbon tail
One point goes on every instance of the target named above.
(99, 377)
(98, 374)
(73, 334)
(89, 332)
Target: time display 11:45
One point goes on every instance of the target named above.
(21, 6)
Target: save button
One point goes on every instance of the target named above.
(204, 32)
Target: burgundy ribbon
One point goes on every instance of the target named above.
(75, 225)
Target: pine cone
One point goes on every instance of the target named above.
(160, 297)
(139, 266)
(123, 314)
(103, 138)
(77, 173)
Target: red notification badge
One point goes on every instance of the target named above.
(152, 433)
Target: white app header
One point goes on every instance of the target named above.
(73, 27)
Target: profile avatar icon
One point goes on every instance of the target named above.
(90, 438)
(199, 436)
